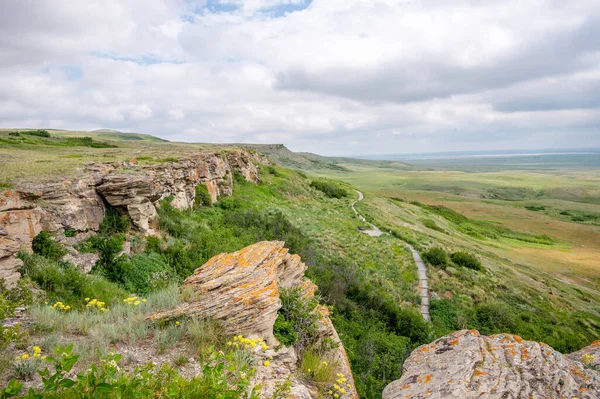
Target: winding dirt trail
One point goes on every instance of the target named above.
(374, 231)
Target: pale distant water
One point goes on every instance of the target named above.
(481, 154)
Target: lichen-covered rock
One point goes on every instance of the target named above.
(79, 203)
(241, 290)
(467, 365)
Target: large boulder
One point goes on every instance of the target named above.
(468, 365)
(241, 290)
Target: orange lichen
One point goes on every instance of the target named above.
(479, 373)
(428, 378)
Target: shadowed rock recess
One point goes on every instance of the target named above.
(241, 290)
(467, 365)
(80, 202)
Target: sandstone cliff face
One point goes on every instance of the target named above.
(467, 365)
(79, 203)
(241, 290)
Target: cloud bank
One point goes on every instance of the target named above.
(330, 76)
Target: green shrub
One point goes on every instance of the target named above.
(38, 133)
(435, 256)
(203, 197)
(63, 282)
(108, 264)
(535, 208)
(284, 331)
(71, 233)
(45, 246)
(467, 260)
(114, 223)
(300, 312)
(329, 189)
(145, 273)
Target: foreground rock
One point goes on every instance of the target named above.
(79, 203)
(241, 290)
(467, 365)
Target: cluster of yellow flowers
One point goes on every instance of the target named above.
(37, 354)
(240, 341)
(338, 387)
(61, 306)
(587, 358)
(134, 300)
(94, 303)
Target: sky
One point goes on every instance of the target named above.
(334, 77)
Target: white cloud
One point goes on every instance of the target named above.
(395, 75)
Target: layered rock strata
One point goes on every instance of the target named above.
(79, 203)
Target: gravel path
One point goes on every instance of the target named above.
(374, 231)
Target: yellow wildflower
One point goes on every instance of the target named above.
(136, 303)
(336, 387)
(324, 363)
(87, 299)
(335, 395)
(24, 356)
(144, 300)
(267, 363)
(178, 323)
(43, 358)
(342, 390)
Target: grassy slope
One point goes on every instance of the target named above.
(552, 289)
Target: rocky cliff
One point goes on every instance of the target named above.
(467, 365)
(241, 290)
(79, 203)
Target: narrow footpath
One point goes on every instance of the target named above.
(374, 231)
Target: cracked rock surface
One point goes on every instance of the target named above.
(467, 365)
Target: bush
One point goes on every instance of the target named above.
(108, 264)
(203, 197)
(38, 133)
(45, 246)
(435, 256)
(63, 282)
(301, 317)
(145, 273)
(114, 223)
(329, 189)
(467, 260)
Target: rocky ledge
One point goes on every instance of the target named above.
(80, 203)
(241, 290)
(468, 365)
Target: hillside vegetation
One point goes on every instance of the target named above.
(494, 264)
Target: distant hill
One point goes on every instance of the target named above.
(281, 155)
(117, 135)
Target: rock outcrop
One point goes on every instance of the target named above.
(80, 203)
(467, 365)
(241, 290)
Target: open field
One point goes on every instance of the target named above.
(32, 158)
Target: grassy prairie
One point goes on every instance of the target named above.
(31, 158)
